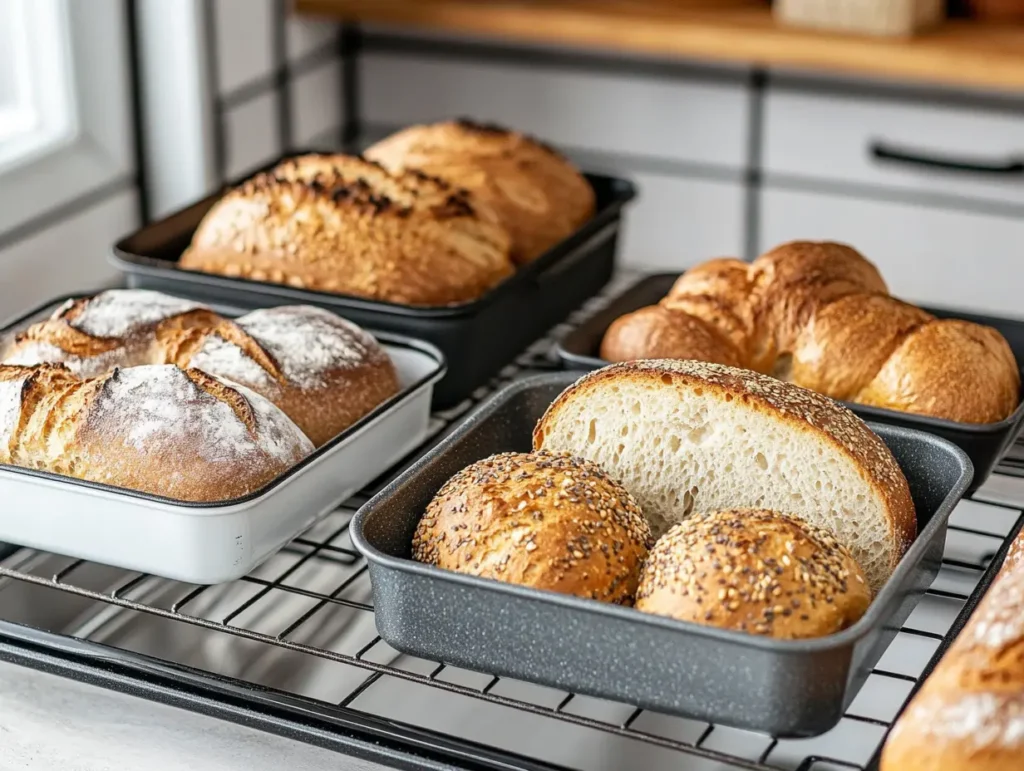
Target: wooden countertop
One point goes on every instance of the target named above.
(959, 54)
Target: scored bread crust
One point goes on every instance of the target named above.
(342, 224)
(547, 521)
(811, 416)
(820, 315)
(754, 571)
(158, 429)
(323, 371)
(539, 196)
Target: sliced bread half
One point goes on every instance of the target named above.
(687, 436)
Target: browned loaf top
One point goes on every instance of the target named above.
(820, 315)
(969, 714)
(547, 521)
(539, 196)
(754, 571)
(323, 371)
(159, 429)
(342, 224)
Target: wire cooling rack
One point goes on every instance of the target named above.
(293, 648)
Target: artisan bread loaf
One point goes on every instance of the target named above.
(323, 371)
(687, 437)
(158, 429)
(547, 521)
(539, 196)
(341, 224)
(969, 714)
(754, 571)
(820, 315)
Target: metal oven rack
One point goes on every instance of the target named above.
(292, 648)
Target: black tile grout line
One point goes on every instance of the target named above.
(350, 44)
(548, 58)
(282, 77)
(138, 125)
(755, 161)
(213, 84)
(125, 183)
(282, 68)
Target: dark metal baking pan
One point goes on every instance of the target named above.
(788, 688)
(478, 338)
(985, 444)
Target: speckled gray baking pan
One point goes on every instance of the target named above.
(788, 688)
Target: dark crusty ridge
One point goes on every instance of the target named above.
(801, 409)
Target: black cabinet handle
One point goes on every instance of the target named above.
(883, 152)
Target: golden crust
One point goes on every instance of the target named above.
(804, 409)
(539, 196)
(819, 315)
(345, 225)
(754, 571)
(547, 521)
(658, 332)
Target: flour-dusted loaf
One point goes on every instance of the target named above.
(341, 224)
(539, 196)
(547, 521)
(969, 714)
(687, 436)
(159, 429)
(323, 371)
(754, 571)
(820, 315)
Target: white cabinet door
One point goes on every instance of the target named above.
(927, 255)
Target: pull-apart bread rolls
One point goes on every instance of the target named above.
(969, 714)
(820, 315)
(158, 429)
(688, 437)
(342, 224)
(323, 371)
(538, 195)
(754, 571)
(541, 520)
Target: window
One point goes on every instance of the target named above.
(65, 130)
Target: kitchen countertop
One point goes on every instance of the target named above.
(48, 722)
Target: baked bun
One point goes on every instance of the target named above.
(686, 436)
(158, 429)
(539, 196)
(341, 224)
(754, 571)
(323, 371)
(658, 332)
(820, 315)
(541, 520)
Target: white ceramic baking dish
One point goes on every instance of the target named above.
(209, 543)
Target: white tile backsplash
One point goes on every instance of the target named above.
(316, 102)
(244, 30)
(305, 36)
(251, 133)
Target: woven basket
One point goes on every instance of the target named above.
(899, 18)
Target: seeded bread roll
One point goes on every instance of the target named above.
(546, 521)
(341, 224)
(754, 571)
(539, 196)
(323, 371)
(158, 429)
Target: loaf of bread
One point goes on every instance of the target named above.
(539, 196)
(820, 315)
(323, 371)
(969, 714)
(341, 224)
(160, 429)
(688, 437)
(754, 571)
(546, 521)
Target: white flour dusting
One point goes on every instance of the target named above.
(999, 622)
(38, 352)
(122, 312)
(220, 357)
(10, 411)
(160, 407)
(984, 719)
